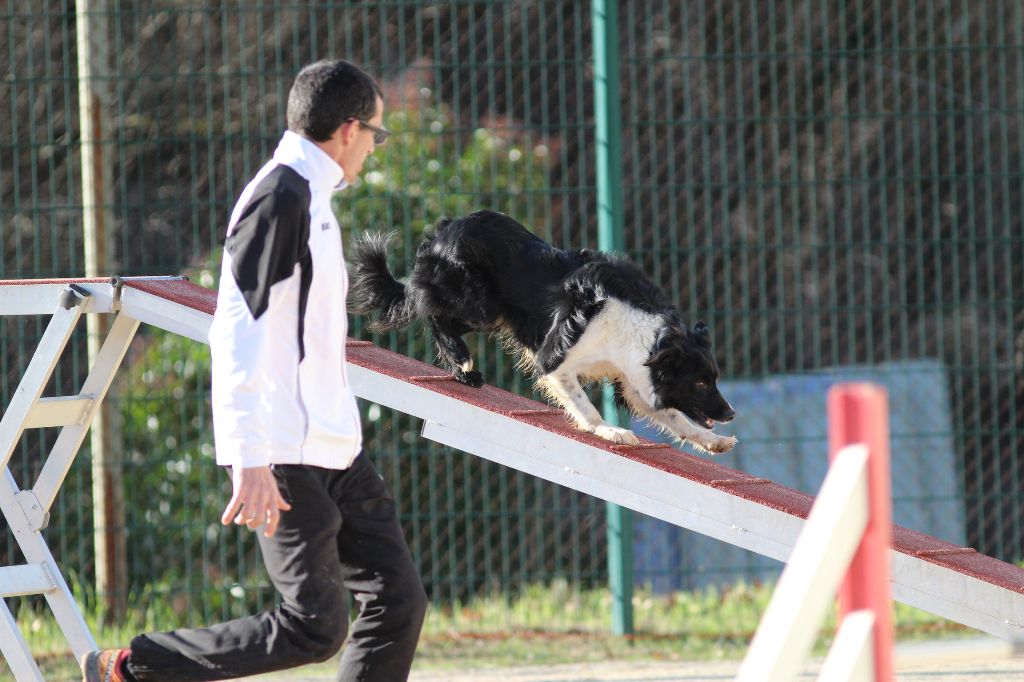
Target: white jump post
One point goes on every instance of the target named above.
(844, 547)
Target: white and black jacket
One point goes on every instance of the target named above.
(280, 390)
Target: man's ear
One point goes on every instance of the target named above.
(346, 132)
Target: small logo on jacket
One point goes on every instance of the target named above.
(325, 226)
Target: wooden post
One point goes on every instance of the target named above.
(91, 17)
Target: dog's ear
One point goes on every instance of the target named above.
(668, 359)
(669, 353)
(701, 335)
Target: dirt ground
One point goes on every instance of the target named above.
(970, 660)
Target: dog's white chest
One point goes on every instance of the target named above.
(616, 340)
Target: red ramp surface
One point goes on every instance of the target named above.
(956, 582)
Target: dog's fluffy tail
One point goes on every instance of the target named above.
(372, 287)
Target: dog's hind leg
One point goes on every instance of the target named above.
(453, 351)
(565, 389)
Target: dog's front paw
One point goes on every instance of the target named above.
(720, 444)
(616, 434)
(471, 378)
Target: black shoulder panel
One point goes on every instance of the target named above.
(271, 236)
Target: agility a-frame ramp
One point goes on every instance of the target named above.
(756, 514)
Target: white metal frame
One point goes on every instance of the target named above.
(27, 511)
(594, 470)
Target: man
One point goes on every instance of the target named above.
(287, 425)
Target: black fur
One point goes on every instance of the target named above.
(486, 272)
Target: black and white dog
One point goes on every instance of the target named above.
(570, 315)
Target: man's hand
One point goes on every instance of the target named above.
(255, 500)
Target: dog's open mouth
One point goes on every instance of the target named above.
(702, 419)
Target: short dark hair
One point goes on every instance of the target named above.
(327, 93)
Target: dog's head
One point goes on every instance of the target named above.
(685, 374)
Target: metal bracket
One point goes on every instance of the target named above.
(72, 296)
(118, 282)
(37, 515)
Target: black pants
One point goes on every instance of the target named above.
(341, 532)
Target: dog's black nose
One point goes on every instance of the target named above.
(727, 414)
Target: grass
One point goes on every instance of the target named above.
(549, 624)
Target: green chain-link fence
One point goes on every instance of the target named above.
(835, 186)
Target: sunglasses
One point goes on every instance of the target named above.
(380, 135)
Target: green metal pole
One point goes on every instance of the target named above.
(608, 122)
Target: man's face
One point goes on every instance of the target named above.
(355, 143)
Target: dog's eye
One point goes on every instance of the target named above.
(701, 385)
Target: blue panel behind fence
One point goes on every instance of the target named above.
(781, 423)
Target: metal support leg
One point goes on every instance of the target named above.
(71, 437)
(27, 511)
(14, 648)
(33, 546)
(38, 372)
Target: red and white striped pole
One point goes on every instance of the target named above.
(859, 413)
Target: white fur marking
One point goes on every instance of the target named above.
(614, 346)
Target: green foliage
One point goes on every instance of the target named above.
(432, 168)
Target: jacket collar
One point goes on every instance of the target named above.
(310, 161)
